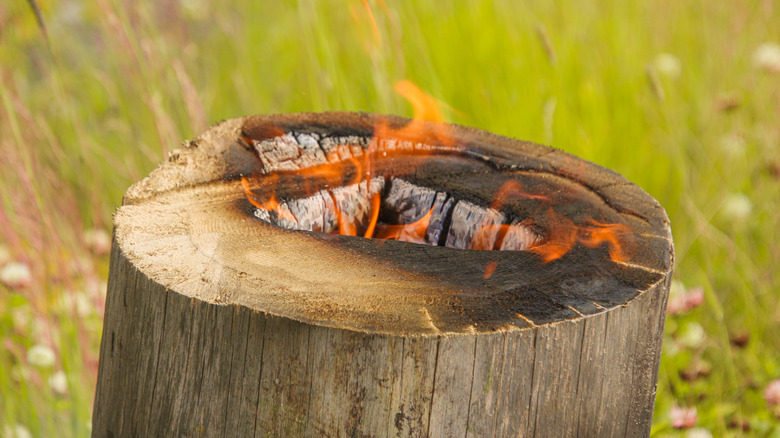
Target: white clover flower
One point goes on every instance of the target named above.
(733, 145)
(692, 335)
(16, 431)
(668, 65)
(698, 432)
(767, 57)
(69, 301)
(196, 9)
(69, 14)
(738, 207)
(16, 275)
(670, 349)
(21, 317)
(20, 373)
(59, 382)
(676, 302)
(41, 356)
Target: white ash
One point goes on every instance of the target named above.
(441, 209)
(410, 201)
(467, 220)
(520, 237)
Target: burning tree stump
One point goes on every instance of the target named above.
(507, 289)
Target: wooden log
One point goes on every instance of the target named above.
(228, 319)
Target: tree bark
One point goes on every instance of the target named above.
(218, 323)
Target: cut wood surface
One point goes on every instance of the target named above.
(226, 320)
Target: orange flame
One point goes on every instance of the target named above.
(512, 189)
(270, 205)
(426, 107)
(412, 232)
(490, 269)
(596, 233)
(345, 167)
(564, 234)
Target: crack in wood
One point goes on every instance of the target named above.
(433, 385)
(471, 389)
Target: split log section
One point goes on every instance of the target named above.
(532, 306)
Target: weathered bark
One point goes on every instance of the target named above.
(218, 323)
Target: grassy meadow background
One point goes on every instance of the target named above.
(681, 97)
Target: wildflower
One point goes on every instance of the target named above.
(767, 57)
(733, 145)
(698, 432)
(737, 207)
(41, 356)
(59, 382)
(16, 275)
(21, 318)
(20, 373)
(16, 431)
(98, 241)
(694, 298)
(698, 369)
(683, 418)
(670, 349)
(739, 340)
(78, 301)
(772, 392)
(692, 335)
(682, 300)
(668, 65)
(727, 102)
(739, 423)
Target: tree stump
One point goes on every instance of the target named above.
(519, 291)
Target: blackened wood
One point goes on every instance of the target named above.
(220, 324)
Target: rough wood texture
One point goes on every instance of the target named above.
(220, 324)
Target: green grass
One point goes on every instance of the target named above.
(121, 84)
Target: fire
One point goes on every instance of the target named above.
(343, 168)
(271, 205)
(426, 107)
(544, 232)
(564, 235)
(490, 269)
(412, 232)
(512, 189)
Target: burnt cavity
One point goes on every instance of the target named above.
(410, 192)
(406, 212)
